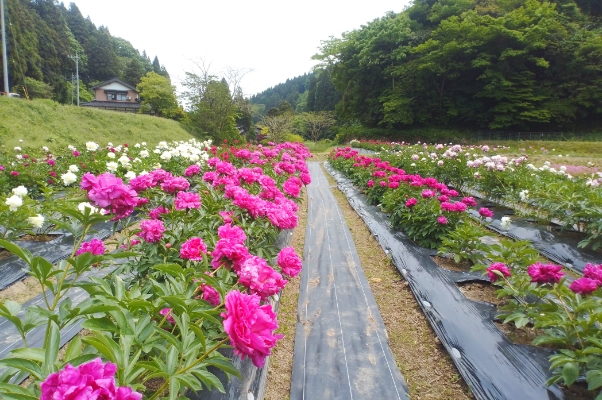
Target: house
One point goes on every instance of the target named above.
(115, 95)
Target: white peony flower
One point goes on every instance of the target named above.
(111, 155)
(505, 224)
(112, 166)
(14, 202)
(124, 159)
(157, 166)
(82, 207)
(72, 148)
(143, 143)
(137, 145)
(20, 191)
(46, 149)
(73, 168)
(524, 195)
(17, 148)
(69, 178)
(144, 154)
(37, 221)
(166, 156)
(130, 175)
(91, 146)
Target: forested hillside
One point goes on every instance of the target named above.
(309, 92)
(43, 34)
(476, 64)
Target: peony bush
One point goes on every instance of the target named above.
(196, 273)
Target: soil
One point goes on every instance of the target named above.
(481, 291)
(422, 360)
(449, 263)
(578, 391)
(5, 253)
(278, 385)
(38, 238)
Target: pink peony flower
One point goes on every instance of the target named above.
(250, 326)
(94, 246)
(594, 272)
(152, 230)
(193, 249)
(393, 185)
(485, 212)
(289, 261)
(292, 186)
(14, 173)
(442, 220)
(583, 285)
(411, 202)
(175, 184)
(92, 380)
(211, 296)
(166, 313)
(227, 216)
(192, 170)
(156, 213)
(469, 201)
(500, 268)
(545, 273)
(232, 233)
(443, 198)
(428, 193)
(186, 200)
(382, 184)
(259, 277)
(305, 178)
(370, 183)
(142, 182)
(109, 192)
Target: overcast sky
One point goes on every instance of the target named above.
(275, 39)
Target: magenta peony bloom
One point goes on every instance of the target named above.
(485, 212)
(583, 285)
(443, 198)
(427, 193)
(14, 173)
(175, 184)
(289, 261)
(260, 278)
(594, 272)
(411, 202)
(250, 326)
(166, 313)
(234, 234)
(469, 201)
(76, 153)
(109, 192)
(156, 213)
(442, 220)
(499, 267)
(93, 380)
(186, 200)
(382, 184)
(192, 170)
(211, 296)
(292, 186)
(142, 182)
(305, 178)
(193, 249)
(227, 216)
(545, 273)
(370, 183)
(393, 185)
(94, 246)
(152, 230)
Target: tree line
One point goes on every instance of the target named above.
(43, 34)
(477, 64)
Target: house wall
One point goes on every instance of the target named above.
(100, 94)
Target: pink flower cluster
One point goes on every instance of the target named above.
(108, 192)
(289, 262)
(496, 269)
(210, 295)
(193, 249)
(187, 200)
(94, 246)
(93, 380)
(230, 247)
(590, 282)
(545, 273)
(151, 230)
(250, 326)
(261, 279)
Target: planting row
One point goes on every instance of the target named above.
(538, 292)
(569, 195)
(195, 276)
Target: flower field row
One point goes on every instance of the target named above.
(538, 294)
(544, 192)
(198, 273)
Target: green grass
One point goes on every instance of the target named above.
(323, 146)
(47, 123)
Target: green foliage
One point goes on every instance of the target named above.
(159, 95)
(36, 89)
(465, 243)
(505, 64)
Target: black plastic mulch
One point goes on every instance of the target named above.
(341, 348)
(492, 366)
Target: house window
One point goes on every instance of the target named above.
(117, 96)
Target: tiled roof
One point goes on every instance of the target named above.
(114, 80)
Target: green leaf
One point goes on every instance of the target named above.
(100, 324)
(224, 365)
(570, 372)
(170, 269)
(74, 349)
(12, 391)
(84, 358)
(594, 379)
(31, 353)
(52, 343)
(23, 254)
(24, 365)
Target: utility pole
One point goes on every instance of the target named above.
(72, 88)
(76, 58)
(4, 59)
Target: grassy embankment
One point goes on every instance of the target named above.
(47, 123)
